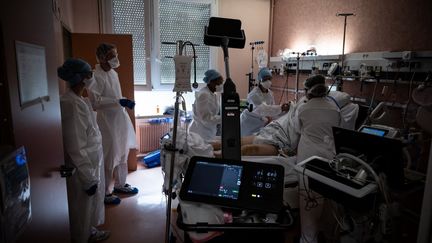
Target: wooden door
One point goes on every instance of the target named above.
(84, 47)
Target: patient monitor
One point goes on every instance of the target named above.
(234, 184)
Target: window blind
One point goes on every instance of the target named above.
(128, 18)
(182, 20)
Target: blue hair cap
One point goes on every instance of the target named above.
(263, 73)
(73, 70)
(210, 75)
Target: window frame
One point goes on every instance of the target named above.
(152, 41)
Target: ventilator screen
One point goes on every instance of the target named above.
(234, 184)
(218, 180)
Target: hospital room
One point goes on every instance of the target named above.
(192, 121)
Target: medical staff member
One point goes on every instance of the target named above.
(315, 121)
(83, 151)
(118, 135)
(264, 108)
(262, 93)
(206, 108)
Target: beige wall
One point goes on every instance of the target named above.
(85, 16)
(255, 17)
(385, 25)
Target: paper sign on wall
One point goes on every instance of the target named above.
(32, 73)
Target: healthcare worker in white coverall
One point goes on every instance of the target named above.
(206, 108)
(83, 151)
(316, 118)
(118, 135)
(262, 93)
(263, 105)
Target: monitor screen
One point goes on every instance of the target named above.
(374, 131)
(217, 180)
(234, 184)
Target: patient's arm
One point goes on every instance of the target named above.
(217, 145)
(259, 149)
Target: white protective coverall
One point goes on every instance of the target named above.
(83, 151)
(206, 109)
(252, 122)
(284, 132)
(263, 107)
(256, 97)
(316, 119)
(118, 135)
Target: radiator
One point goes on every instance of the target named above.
(149, 134)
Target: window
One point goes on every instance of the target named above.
(153, 22)
(183, 21)
(128, 18)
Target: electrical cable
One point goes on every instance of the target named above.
(311, 202)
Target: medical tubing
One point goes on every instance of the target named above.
(331, 86)
(372, 99)
(409, 100)
(369, 168)
(285, 87)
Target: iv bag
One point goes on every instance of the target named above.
(262, 58)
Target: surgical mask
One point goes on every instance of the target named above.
(219, 88)
(114, 62)
(88, 81)
(266, 84)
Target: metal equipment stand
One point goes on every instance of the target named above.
(297, 75)
(339, 81)
(251, 74)
(255, 231)
(228, 33)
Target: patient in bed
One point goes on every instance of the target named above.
(281, 136)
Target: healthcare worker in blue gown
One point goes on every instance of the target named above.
(118, 134)
(83, 151)
(207, 105)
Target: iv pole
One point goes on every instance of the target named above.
(297, 74)
(345, 15)
(179, 49)
(250, 74)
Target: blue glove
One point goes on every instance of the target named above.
(92, 190)
(127, 103)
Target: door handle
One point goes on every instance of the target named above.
(66, 171)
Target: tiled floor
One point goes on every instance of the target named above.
(139, 218)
